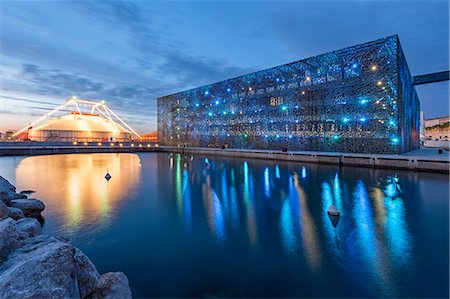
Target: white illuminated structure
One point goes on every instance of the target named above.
(99, 124)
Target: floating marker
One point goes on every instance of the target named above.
(334, 215)
(333, 211)
(107, 176)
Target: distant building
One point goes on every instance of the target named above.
(431, 122)
(437, 129)
(79, 127)
(100, 124)
(151, 137)
(358, 99)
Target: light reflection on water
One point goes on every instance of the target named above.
(197, 226)
(74, 187)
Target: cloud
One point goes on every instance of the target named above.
(57, 83)
(192, 71)
(26, 100)
(15, 112)
(51, 81)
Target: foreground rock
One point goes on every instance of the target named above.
(28, 228)
(9, 238)
(15, 213)
(4, 211)
(112, 285)
(30, 207)
(7, 191)
(33, 265)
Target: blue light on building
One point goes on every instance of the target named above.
(355, 96)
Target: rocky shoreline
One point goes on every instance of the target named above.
(33, 265)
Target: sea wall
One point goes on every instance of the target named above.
(407, 162)
(33, 265)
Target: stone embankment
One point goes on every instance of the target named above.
(33, 265)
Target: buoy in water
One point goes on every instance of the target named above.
(107, 176)
(333, 214)
(333, 211)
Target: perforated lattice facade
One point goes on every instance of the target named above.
(358, 99)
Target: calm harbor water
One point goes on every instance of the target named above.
(195, 226)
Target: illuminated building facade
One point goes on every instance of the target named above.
(358, 99)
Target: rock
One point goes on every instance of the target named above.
(20, 196)
(30, 207)
(42, 268)
(4, 211)
(7, 191)
(33, 265)
(112, 285)
(27, 191)
(87, 274)
(28, 228)
(9, 238)
(15, 213)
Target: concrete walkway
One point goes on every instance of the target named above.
(425, 159)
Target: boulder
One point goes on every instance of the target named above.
(15, 213)
(28, 228)
(45, 267)
(112, 285)
(86, 272)
(4, 210)
(42, 268)
(9, 238)
(30, 207)
(27, 191)
(20, 196)
(7, 191)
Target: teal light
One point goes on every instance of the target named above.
(284, 108)
(336, 137)
(395, 140)
(210, 114)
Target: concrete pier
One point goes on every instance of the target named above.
(426, 159)
(49, 148)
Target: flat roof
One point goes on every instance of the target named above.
(286, 64)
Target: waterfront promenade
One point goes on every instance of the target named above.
(425, 159)
(49, 148)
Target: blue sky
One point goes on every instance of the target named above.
(129, 53)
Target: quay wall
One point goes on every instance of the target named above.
(411, 161)
(405, 162)
(44, 148)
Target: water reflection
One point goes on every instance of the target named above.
(249, 222)
(74, 188)
(249, 205)
(289, 222)
(308, 227)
